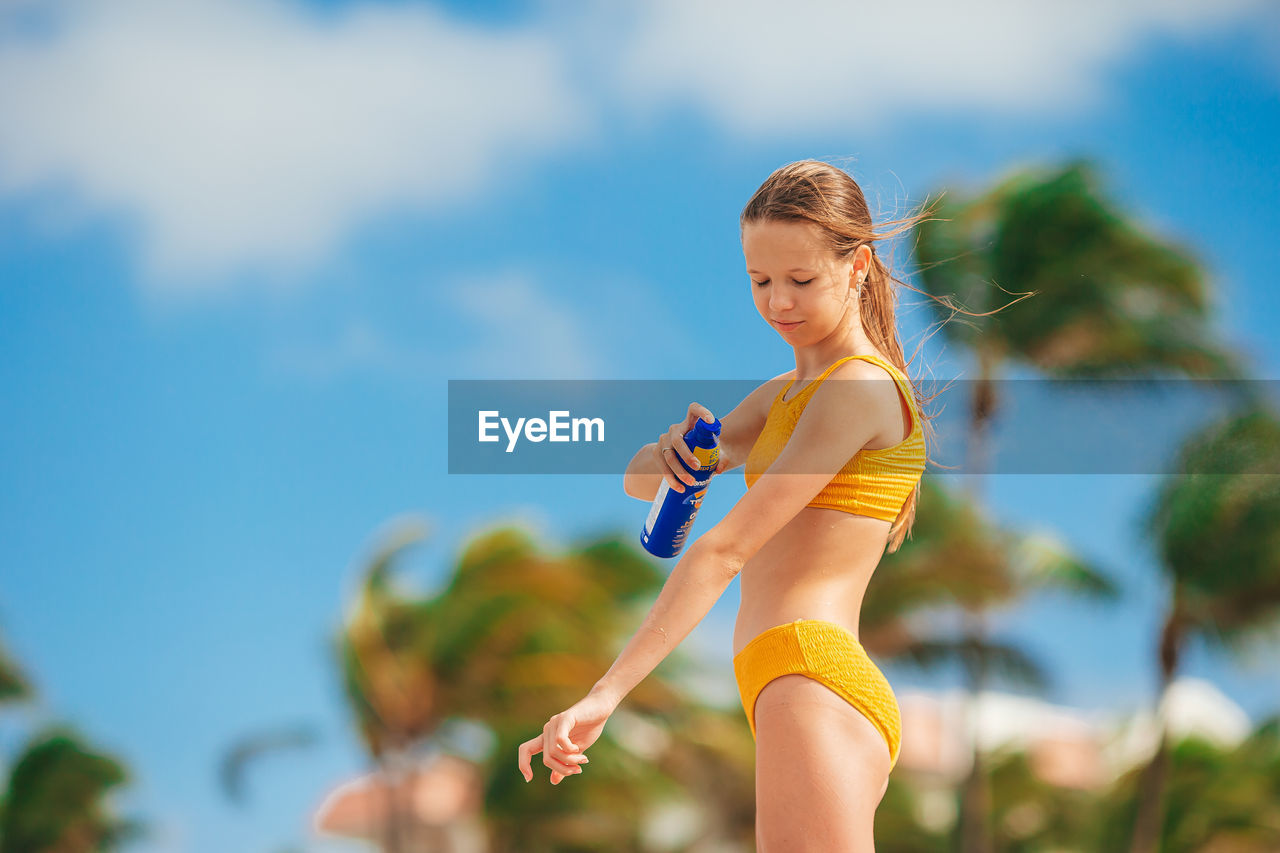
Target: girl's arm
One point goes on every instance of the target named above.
(694, 586)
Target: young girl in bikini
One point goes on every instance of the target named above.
(833, 471)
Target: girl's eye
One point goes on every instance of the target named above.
(804, 282)
(766, 281)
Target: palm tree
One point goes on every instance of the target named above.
(514, 635)
(1216, 526)
(958, 560)
(390, 682)
(14, 689)
(54, 797)
(1029, 814)
(14, 686)
(1218, 799)
(1225, 799)
(956, 556)
(1110, 300)
(252, 747)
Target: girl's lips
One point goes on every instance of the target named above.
(786, 326)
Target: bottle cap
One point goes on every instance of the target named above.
(712, 428)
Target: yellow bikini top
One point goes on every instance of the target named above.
(874, 482)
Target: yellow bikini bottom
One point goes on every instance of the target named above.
(825, 652)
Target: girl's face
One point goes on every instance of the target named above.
(798, 285)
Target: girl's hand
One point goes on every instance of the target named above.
(671, 444)
(566, 736)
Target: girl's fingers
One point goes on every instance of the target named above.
(680, 447)
(527, 750)
(670, 468)
(570, 766)
(556, 775)
(558, 766)
(555, 757)
(697, 412)
(691, 458)
(665, 467)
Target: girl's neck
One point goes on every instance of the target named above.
(811, 361)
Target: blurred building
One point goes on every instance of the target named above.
(437, 803)
(1067, 747)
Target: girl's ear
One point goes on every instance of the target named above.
(853, 264)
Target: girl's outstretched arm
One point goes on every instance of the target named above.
(696, 583)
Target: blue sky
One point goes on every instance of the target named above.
(245, 245)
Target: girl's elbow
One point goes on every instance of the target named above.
(637, 481)
(640, 487)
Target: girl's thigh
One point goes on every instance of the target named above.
(821, 769)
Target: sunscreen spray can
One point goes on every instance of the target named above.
(672, 513)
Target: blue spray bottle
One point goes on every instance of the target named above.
(672, 513)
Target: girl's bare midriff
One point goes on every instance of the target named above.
(816, 567)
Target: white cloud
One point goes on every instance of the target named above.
(826, 65)
(358, 346)
(236, 132)
(501, 326)
(518, 325)
(258, 132)
(518, 330)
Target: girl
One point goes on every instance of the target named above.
(832, 472)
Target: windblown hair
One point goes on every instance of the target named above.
(817, 192)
